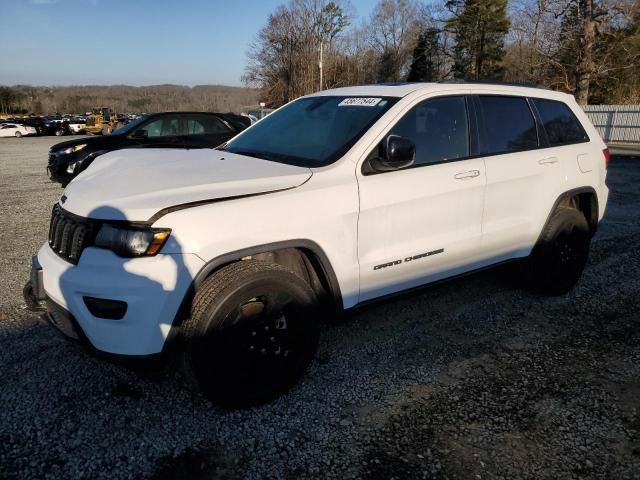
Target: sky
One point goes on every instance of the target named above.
(133, 42)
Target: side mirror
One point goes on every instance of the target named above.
(140, 134)
(395, 152)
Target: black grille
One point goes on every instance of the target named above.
(69, 235)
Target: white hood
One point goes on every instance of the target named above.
(135, 184)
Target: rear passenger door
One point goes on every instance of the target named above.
(206, 131)
(424, 222)
(565, 137)
(521, 176)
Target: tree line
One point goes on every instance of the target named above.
(590, 48)
(126, 99)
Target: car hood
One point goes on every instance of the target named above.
(90, 141)
(136, 184)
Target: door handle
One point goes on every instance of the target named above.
(469, 174)
(548, 161)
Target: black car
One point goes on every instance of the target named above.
(160, 130)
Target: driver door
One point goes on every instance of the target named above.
(422, 223)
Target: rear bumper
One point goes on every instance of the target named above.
(603, 198)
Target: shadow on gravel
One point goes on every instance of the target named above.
(192, 464)
(559, 407)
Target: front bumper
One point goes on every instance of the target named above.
(153, 289)
(57, 168)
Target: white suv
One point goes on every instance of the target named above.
(335, 199)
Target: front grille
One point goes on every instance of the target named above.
(69, 235)
(52, 158)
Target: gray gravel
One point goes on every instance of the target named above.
(476, 378)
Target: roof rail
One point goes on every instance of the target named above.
(497, 82)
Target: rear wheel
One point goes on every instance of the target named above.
(252, 333)
(18, 135)
(557, 261)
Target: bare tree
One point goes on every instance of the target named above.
(394, 29)
(283, 58)
(567, 44)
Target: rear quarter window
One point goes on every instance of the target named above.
(506, 124)
(560, 124)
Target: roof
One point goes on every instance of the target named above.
(378, 90)
(404, 89)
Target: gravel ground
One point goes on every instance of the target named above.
(476, 378)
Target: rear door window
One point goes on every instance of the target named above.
(206, 125)
(506, 124)
(560, 124)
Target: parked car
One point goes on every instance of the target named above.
(76, 126)
(16, 130)
(54, 126)
(160, 130)
(37, 123)
(334, 200)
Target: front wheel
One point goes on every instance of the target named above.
(253, 332)
(18, 135)
(557, 261)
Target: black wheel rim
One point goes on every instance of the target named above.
(260, 345)
(569, 251)
(261, 328)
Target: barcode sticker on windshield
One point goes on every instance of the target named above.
(359, 102)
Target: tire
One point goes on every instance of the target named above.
(18, 135)
(252, 334)
(106, 130)
(59, 133)
(559, 257)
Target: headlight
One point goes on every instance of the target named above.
(77, 148)
(131, 241)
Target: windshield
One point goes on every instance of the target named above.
(311, 132)
(129, 127)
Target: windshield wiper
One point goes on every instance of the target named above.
(261, 155)
(247, 153)
(271, 157)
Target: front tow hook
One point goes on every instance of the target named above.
(33, 291)
(30, 299)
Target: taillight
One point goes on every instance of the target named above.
(607, 156)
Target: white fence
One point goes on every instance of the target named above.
(617, 124)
